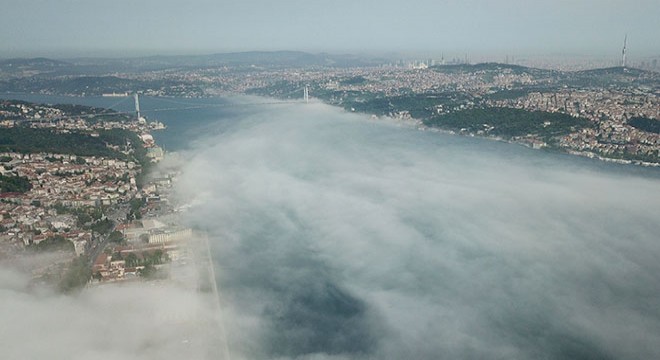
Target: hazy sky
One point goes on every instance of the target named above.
(123, 27)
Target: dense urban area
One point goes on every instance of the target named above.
(609, 113)
(78, 183)
(75, 199)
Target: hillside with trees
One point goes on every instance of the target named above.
(509, 122)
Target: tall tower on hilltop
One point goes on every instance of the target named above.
(623, 52)
(137, 107)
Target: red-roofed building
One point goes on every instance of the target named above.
(101, 263)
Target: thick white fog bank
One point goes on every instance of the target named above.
(150, 320)
(337, 236)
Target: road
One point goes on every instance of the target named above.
(117, 214)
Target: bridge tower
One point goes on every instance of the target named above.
(137, 106)
(623, 52)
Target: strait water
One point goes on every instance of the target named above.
(189, 120)
(336, 236)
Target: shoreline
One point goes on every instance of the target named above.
(420, 126)
(413, 122)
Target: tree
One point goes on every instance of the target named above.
(149, 271)
(136, 204)
(158, 256)
(54, 243)
(116, 237)
(76, 276)
(14, 184)
(103, 226)
(84, 218)
(132, 260)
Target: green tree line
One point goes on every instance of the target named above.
(646, 124)
(509, 122)
(14, 184)
(31, 140)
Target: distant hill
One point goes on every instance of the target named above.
(292, 58)
(251, 58)
(616, 70)
(22, 65)
(34, 62)
(603, 77)
(492, 67)
(90, 85)
(618, 76)
(488, 66)
(234, 59)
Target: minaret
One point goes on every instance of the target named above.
(306, 94)
(623, 52)
(137, 106)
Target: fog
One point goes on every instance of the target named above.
(153, 320)
(337, 236)
(340, 237)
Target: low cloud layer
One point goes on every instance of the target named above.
(338, 237)
(131, 321)
(341, 237)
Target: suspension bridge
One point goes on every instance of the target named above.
(177, 105)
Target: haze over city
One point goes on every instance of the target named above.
(339, 237)
(72, 28)
(329, 180)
